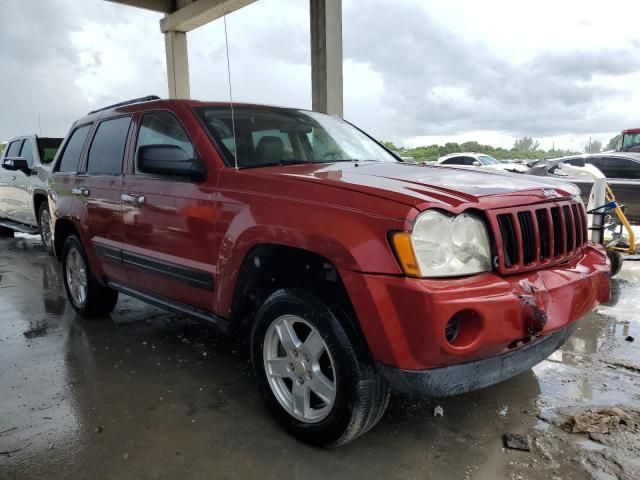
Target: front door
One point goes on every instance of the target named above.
(169, 222)
(99, 187)
(22, 189)
(7, 181)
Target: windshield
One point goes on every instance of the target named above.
(48, 147)
(630, 140)
(281, 136)
(487, 160)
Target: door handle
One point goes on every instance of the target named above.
(80, 191)
(13, 178)
(132, 198)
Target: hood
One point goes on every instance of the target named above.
(424, 186)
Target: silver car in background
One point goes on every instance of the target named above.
(622, 170)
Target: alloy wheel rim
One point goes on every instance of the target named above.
(45, 228)
(299, 369)
(76, 273)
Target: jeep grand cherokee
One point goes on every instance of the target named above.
(351, 272)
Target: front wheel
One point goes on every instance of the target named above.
(87, 296)
(616, 260)
(44, 223)
(312, 373)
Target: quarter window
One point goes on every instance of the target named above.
(107, 149)
(163, 128)
(73, 149)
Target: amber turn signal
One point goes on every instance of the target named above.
(404, 251)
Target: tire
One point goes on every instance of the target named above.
(616, 260)
(360, 395)
(87, 296)
(44, 224)
(6, 232)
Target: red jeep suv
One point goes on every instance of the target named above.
(352, 272)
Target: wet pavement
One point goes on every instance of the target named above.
(147, 395)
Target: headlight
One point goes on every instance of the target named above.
(445, 246)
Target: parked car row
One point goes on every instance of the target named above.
(350, 272)
(622, 169)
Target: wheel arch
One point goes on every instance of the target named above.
(63, 228)
(269, 267)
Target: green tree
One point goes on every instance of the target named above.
(593, 147)
(613, 143)
(526, 144)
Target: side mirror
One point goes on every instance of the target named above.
(476, 163)
(170, 160)
(15, 164)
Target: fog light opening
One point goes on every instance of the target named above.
(463, 328)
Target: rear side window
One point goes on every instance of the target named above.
(71, 154)
(27, 153)
(614, 167)
(14, 149)
(107, 149)
(163, 128)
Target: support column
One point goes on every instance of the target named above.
(326, 56)
(177, 64)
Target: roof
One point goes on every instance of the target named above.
(632, 155)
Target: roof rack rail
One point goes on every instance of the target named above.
(148, 98)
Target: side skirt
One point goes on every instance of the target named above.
(180, 308)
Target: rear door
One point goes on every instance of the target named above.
(99, 187)
(169, 222)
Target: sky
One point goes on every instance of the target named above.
(416, 72)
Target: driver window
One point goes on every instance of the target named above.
(163, 128)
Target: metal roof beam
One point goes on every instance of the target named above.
(198, 13)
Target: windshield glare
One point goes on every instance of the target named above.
(281, 136)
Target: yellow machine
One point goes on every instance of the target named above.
(617, 245)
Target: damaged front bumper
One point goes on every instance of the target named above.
(466, 377)
(406, 321)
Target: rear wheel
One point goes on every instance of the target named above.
(87, 296)
(315, 383)
(44, 223)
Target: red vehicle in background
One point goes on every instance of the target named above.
(351, 272)
(630, 141)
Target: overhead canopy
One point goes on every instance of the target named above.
(182, 16)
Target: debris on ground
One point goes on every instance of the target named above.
(517, 441)
(438, 411)
(604, 420)
(629, 339)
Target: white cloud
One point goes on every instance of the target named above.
(415, 71)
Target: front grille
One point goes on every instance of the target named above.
(532, 237)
